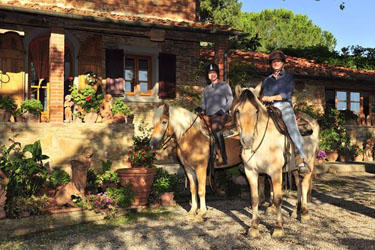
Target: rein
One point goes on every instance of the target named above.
(261, 141)
(170, 137)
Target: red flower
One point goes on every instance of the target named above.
(70, 78)
(88, 98)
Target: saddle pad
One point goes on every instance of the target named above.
(304, 126)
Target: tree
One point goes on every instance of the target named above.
(280, 28)
(223, 12)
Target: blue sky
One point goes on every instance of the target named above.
(355, 25)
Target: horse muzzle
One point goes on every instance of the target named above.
(246, 141)
(155, 143)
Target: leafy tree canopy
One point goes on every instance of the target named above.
(280, 28)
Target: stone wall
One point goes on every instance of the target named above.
(358, 134)
(61, 141)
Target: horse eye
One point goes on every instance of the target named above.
(164, 122)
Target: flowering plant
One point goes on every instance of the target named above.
(91, 78)
(70, 78)
(106, 205)
(357, 150)
(141, 157)
(87, 98)
(322, 154)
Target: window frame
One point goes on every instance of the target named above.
(136, 74)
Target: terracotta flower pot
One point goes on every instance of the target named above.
(332, 155)
(141, 180)
(4, 115)
(358, 157)
(167, 199)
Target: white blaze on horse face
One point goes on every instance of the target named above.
(246, 116)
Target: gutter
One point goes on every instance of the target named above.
(143, 24)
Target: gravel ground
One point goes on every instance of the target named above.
(342, 217)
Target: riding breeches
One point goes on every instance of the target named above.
(290, 121)
(217, 122)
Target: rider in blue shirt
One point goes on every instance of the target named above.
(277, 88)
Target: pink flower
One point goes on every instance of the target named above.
(70, 78)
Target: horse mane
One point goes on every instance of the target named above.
(246, 95)
(180, 119)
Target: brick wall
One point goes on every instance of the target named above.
(170, 9)
(56, 77)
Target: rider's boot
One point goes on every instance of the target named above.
(303, 168)
(219, 138)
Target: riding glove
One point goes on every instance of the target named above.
(220, 113)
(198, 110)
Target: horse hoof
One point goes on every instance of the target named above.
(254, 233)
(294, 214)
(199, 219)
(278, 233)
(271, 210)
(192, 212)
(305, 218)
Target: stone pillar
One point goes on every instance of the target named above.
(221, 46)
(56, 74)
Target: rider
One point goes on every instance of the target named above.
(217, 100)
(277, 89)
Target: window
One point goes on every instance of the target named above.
(345, 100)
(138, 75)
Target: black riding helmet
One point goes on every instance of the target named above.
(276, 54)
(213, 67)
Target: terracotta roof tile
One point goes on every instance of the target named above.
(124, 17)
(303, 66)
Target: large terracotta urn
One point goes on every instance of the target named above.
(332, 155)
(141, 180)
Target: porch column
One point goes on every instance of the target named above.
(56, 74)
(221, 46)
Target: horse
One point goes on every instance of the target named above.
(263, 152)
(193, 148)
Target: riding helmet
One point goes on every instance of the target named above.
(213, 67)
(276, 54)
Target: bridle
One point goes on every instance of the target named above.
(255, 129)
(163, 145)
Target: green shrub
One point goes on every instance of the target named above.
(7, 103)
(124, 195)
(26, 174)
(32, 106)
(35, 205)
(164, 182)
(58, 177)
(107, 176)
(119, 107)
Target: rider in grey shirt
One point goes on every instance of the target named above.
(217, 100)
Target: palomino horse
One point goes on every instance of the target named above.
(263, 152)
(193, 148)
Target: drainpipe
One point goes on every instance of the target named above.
(225, 65)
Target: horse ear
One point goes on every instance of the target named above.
(166, 109)
(237, 90)
(258, 89)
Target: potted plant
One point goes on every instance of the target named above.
(142, 171)
(88, 103)
(7, 107)
(56, 179)
(31, 110)
(164, 186)
(357, 152)
(321, 155)
(333, 135)
(120, 110)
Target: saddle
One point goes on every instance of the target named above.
(304, 126)
(228, 127)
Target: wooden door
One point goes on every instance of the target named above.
(12, 63)
(90, 58)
